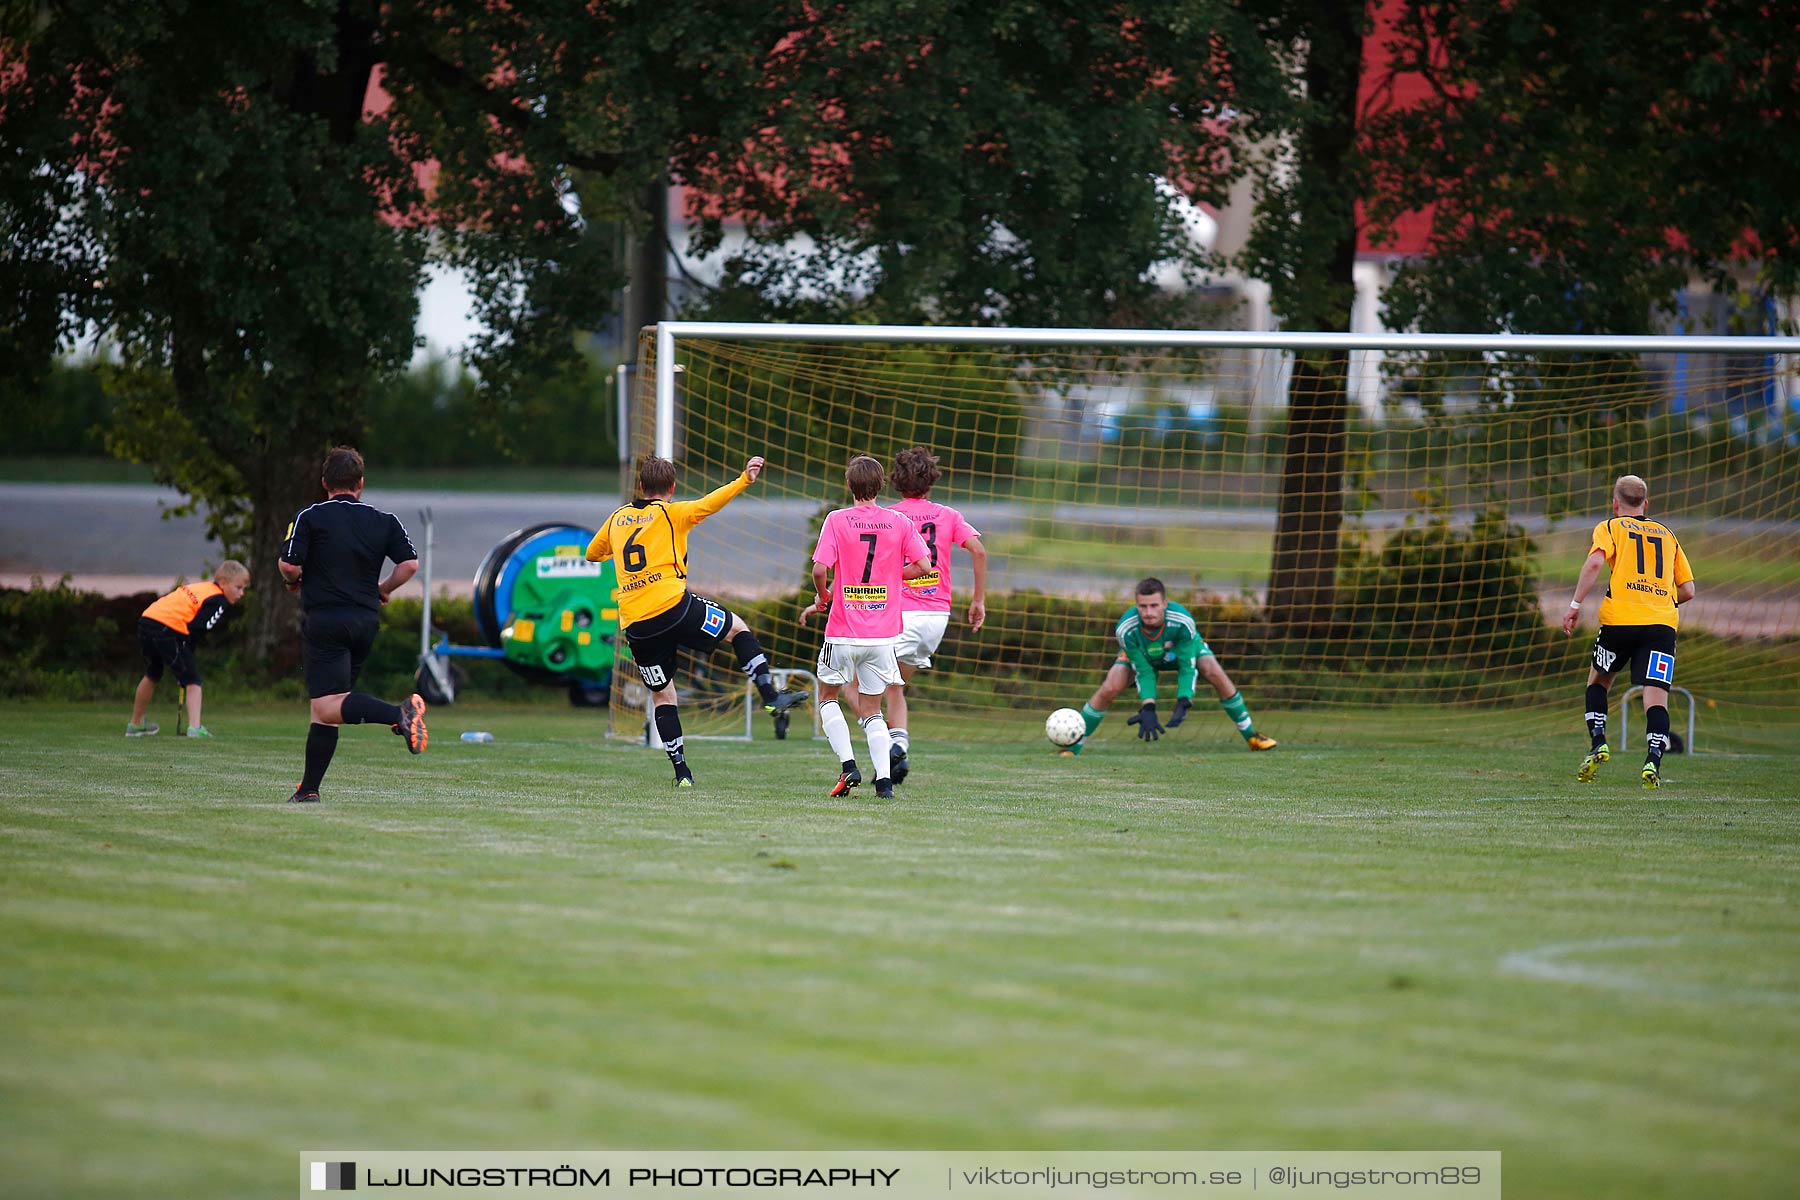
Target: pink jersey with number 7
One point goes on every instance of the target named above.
(866, 546)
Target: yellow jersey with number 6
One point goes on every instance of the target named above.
(648, 543)
(1648, 564)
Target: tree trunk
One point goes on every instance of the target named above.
(1303, 581)
(283, 484)
(647, 296)
(1319, 297)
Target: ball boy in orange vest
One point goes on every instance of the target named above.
(166, 634)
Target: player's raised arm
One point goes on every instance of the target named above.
(696, 511)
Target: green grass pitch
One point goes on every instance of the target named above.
(1373, 943)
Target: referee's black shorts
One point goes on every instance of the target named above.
(334, 644)
(656, 642)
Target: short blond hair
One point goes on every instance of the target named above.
(231, 571)
(1630, 491)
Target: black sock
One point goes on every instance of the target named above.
(363, 709)
(1596, 713)
(755, 664)
(1656, 737)
(321, 742)
(668, 728)
(848, 765)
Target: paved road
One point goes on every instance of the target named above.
(114, 538)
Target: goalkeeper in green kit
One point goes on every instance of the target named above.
(1159, 636)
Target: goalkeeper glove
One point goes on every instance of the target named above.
(1182, 704)
(1149, 728)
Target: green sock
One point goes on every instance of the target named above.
(1240, 716)
(1091, 717)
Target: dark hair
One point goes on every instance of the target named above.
(864, 475)
(656, 476)
(1151, 587)
(343, 469)
(915, 471)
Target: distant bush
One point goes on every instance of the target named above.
(67, 418)
(432, 416)
(436, 416)
(1445, 593)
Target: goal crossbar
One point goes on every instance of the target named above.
(668, 333)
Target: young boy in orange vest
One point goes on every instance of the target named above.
(167, 632)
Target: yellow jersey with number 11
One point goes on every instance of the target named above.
(1648, 564)
(648, 543)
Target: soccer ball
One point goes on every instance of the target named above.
(1064, 727)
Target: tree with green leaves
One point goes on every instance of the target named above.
(1581, 163)
(213, 192)
(1579, 166)
(944, 161)
(222, 195)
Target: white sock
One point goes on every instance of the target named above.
(899, 736)
(876, 730)
(837, 730)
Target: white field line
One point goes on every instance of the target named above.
(1550, 964)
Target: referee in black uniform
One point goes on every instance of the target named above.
(333, 556)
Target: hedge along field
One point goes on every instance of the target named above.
(433, 416)
(1037, 652)
(56, 641)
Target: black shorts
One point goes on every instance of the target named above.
(694, 622)
(1650, 649)
(334, 644)
(162, 647)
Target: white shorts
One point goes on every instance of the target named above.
(873, 668)
(919, 640)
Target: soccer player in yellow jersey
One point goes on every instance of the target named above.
(648, 543)
(1650, 578)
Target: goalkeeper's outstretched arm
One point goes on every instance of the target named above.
(1146, 674)
(1185, 673)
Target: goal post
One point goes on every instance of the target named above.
(1475, 469)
